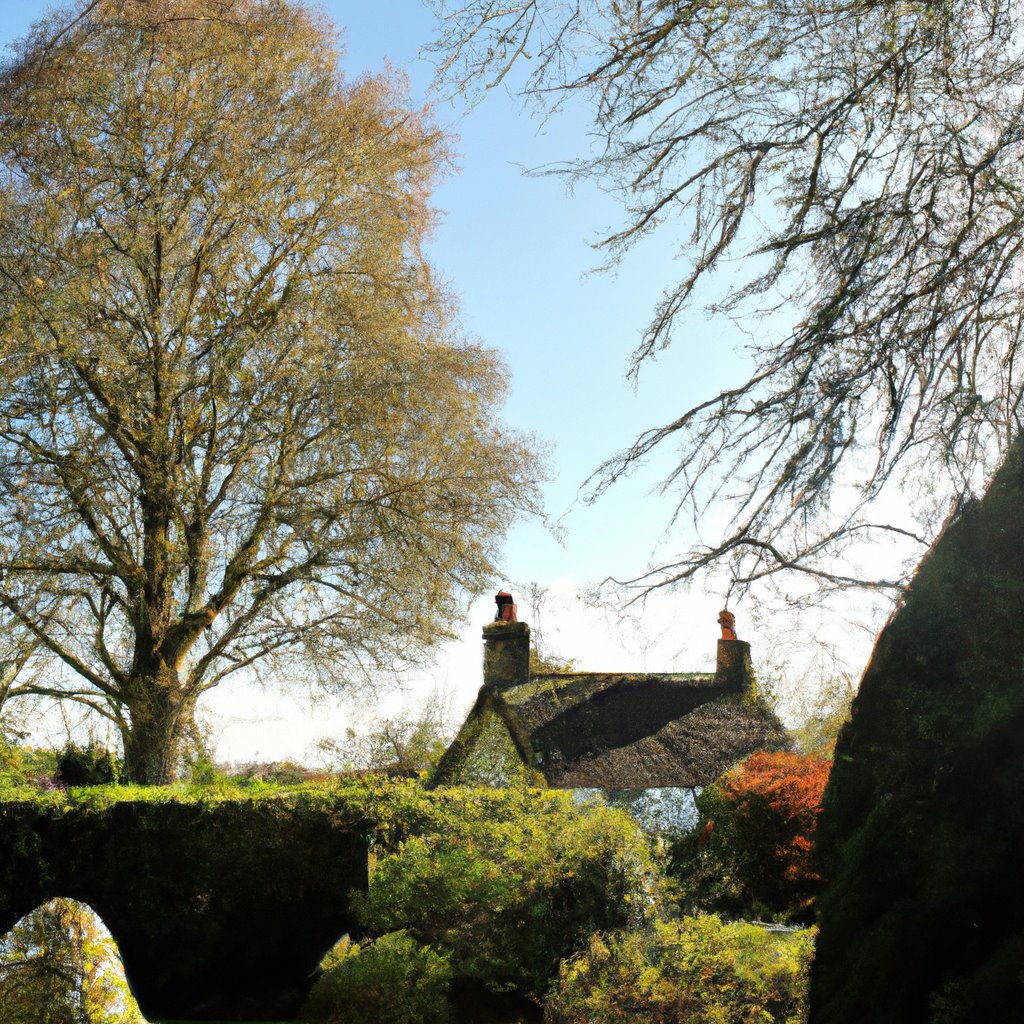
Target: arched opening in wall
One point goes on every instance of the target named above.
(61, 965)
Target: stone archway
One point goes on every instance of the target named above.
(219, 910)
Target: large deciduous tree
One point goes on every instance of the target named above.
(863, 160)
(237, 424)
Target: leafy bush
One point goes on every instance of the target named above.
(503, 882)
(693, 971)
(91, 765)
(507, 882)
(393, 980)
(24, 767)
(751, 851)
(284, 773)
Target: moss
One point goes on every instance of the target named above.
(620, 730)
(492, 748)
(494, 758)
(247, 891)
(506, 654)
(247, 887)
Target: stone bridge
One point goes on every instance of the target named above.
(222, 911)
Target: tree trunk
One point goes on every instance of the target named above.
(159, 720)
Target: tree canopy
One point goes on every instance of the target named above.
(59, 965)
(238, 425)
(860, 163)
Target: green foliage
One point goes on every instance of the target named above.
(693, 971)
(826, 715)
(492, 889)
(504, 883)
(243, 890)
(751, 851)
(29, 780)
(25, 768)
(507, 882)
(407, 743)
(91, 765)
(922, 911)
(58, 965)
(392, 980)
(492, 760)
(201, 771)
(546, 664)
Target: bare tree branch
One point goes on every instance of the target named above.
(858, 164)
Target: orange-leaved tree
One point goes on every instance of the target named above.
(751, 852)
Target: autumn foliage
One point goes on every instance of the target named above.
(751, 852)
(787, 789)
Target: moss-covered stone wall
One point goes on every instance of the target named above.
(920, 840)
(221, 910)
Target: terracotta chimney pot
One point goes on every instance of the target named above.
(727, 621)
(507, 608)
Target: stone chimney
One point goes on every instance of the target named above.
(506, 654)
(733, 668)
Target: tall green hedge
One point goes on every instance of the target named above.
(920, 838)
(250, 885)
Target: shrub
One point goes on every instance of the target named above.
(284, 773)
(751, 851)
(91, 765)
(393, 980)
(508, 882)
(693, 971)
(23, 767)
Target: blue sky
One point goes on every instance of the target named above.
(516, 251)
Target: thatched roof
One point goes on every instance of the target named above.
(630, 732)
(622, 730)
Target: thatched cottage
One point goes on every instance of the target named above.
(607, 730)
